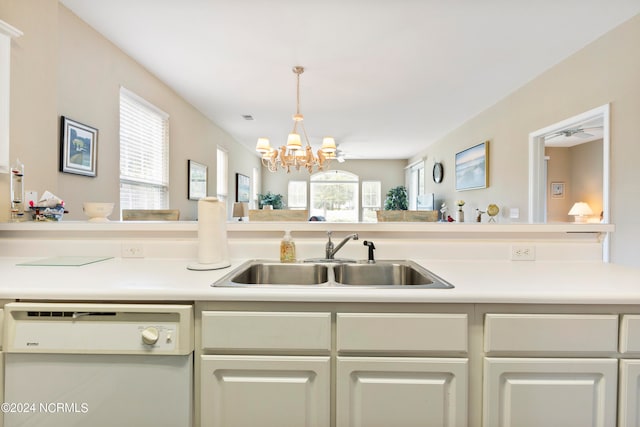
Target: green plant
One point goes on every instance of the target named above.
(397, 199)
(274, 200)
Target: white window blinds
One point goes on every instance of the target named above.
(144, 154)
(297, 195)
(222, 173)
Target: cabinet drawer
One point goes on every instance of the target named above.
(630, 334)
(266, 331)
(551, 333)
(402, 333)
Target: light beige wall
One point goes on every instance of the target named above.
(389, 172)
(78, 73)
(580, 169)
(586, 175)
(603, 72)
(34, 129)
(559, 169)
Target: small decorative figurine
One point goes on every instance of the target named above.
(479, 215)
(492, 211)
(443, 211)
(460, 212)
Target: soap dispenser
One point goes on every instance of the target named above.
(287, 248)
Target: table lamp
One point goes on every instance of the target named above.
(240, 210)
(580, 210)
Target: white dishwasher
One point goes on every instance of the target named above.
(76, 364)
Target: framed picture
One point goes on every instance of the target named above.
(78, 147)
(557, 190)
(242, 188)
(197, 182)
(472, 167)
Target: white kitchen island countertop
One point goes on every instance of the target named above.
(160, 279)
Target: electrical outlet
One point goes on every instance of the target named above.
(523, 253)
(132, 250)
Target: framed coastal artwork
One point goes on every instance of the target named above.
(78, 147)
(472, 167)
(242, 188)
(197, 182)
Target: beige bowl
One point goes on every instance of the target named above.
(97, 212)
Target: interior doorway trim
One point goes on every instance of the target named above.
(537, 170)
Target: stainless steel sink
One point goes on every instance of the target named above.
(275, 273)
(387, 273)
(382, 274)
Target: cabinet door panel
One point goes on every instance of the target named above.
(629, 393)
(407, 392)
(266, 391)
(550, 392)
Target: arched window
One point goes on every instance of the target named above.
(334, 196)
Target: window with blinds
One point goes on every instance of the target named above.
(297, 195)
(222, 182)
(144, 154)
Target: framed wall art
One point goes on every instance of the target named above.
(557, 190)
(472, 167)
(78, 148)
(242, 188)
(197, 182)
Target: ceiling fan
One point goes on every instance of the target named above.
(339, 155)
(577, 132)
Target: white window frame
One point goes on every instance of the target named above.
(366, 205)
(297, 195)
(356, 197)
(144, 153)
(255, 184)
(416, 183)
(222, 173)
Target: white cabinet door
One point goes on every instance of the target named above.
(629, 400)
(395, 391)
(265, 391)
(520, 392)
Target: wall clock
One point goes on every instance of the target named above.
(438, 172)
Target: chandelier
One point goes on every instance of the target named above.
(294, 155)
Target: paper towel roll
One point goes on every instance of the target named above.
(213, 252)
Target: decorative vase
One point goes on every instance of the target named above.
(460, 215)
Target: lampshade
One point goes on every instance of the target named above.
(294, 142)
(240, 209)
(580, 210)
(328, 144)
(263, 145)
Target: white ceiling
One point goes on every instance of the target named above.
(386, 78)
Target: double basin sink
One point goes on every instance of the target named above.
(381, 274)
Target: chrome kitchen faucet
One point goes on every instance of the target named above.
(330, 249)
